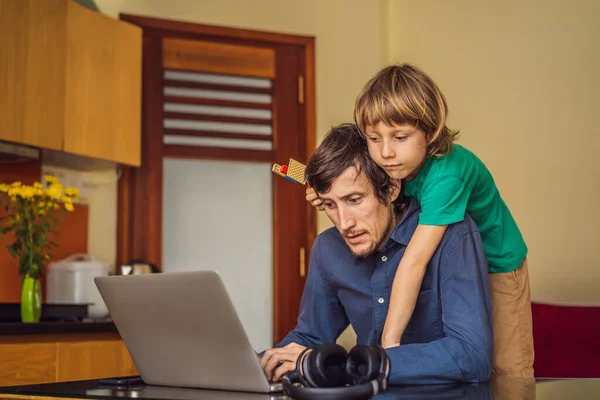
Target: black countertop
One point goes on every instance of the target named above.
(19, 328)
(507, 388)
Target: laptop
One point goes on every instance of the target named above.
(182, 330)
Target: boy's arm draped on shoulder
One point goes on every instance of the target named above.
(408, 279)
(322, 317)
(444, 200)
(465, 352)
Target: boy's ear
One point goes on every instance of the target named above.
(395, 188)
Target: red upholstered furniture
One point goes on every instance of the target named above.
(566, 341)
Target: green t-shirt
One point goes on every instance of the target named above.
(447, 187)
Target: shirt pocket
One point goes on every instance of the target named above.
(422, 327)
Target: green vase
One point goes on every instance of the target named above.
(31, 300)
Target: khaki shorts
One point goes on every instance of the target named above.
(511, 316)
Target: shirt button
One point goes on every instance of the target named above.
(380, 300)
(384, 258)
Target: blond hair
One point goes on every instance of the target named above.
(403, 94)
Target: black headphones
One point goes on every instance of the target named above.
(329, 372)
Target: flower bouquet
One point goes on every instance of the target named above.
(31, 215)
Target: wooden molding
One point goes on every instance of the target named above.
(217, 153)
(140, 189)
(179, 27)
(311, 133)
(221, 58)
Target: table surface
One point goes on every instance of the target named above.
(501, 388)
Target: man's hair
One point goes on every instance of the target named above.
(403, 94)
(344, 147)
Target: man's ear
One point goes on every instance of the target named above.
(395, 188)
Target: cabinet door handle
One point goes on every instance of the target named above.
(302, 262)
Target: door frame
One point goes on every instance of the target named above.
(141, 188)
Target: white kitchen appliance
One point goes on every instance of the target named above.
(71, 281)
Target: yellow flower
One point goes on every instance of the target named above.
(50, 179)
(15, 184)
(69, 207)
(54, 192)
(27, 192)
(39, 189)
(72, 192)
(67, 199)
(4, 187)
(14, 191)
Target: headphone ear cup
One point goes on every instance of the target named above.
(325, 366)
(364, 364)
(384, 364)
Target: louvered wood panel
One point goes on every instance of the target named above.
(217, 116)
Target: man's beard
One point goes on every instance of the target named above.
(375, 244)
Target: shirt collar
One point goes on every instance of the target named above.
(405, 228)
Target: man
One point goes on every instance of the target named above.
(352, 266)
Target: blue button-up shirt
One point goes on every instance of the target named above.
(449, 336)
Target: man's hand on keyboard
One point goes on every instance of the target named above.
(277, 362)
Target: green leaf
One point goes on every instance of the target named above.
(14, 248)
(38, 239)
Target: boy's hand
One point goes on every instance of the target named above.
(312, 198)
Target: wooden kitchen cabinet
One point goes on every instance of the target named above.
(70, 80)
(32, 72)
(104, 93)
(26, 363)
(95, 359)
(61, 358)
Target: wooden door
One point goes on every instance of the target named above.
(175, 48)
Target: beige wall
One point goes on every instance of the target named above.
(522, 82)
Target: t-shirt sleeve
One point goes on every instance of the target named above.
(444, 201)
